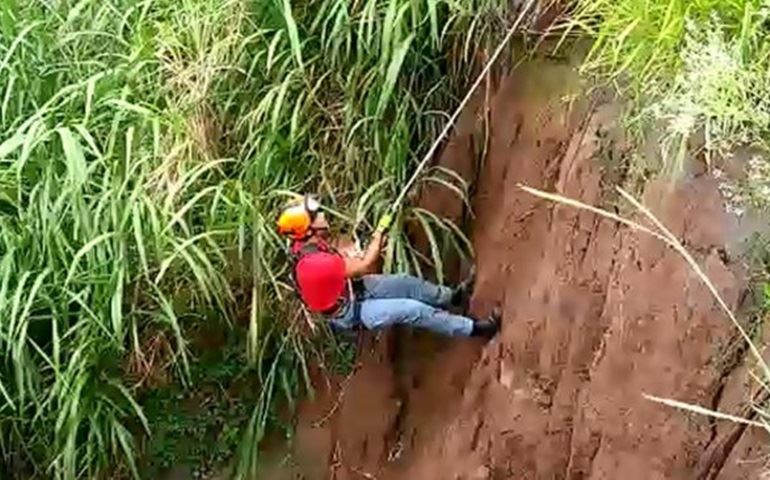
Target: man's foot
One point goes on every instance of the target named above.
(461, 295)
(489, 327)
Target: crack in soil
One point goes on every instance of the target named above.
(715, 456)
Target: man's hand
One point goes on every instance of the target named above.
(366, 263)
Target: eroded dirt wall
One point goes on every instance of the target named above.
(595, 315)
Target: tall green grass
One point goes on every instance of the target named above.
(691, 69)
(638, 41)
(144, 146)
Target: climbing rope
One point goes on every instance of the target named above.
(450, 123)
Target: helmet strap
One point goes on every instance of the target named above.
(313, 212)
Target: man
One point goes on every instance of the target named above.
(345, 289)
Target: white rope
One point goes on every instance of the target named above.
(397, 203)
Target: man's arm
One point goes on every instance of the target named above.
(358, 266)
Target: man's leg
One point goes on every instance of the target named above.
(405, 286)
(382, 312)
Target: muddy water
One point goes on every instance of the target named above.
(594, 316)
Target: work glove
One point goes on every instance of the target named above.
(385, 222)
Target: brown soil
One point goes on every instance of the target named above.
(595, 315)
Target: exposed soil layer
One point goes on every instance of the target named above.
(595, 315)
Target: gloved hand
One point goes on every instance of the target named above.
(385, 222)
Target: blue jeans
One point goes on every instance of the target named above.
(400, 299)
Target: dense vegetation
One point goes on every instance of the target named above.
(146, 144)
(144, 148)
(697, 71)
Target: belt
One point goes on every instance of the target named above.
(355, 289)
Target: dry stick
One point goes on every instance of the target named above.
(669, 239)
(583, 206)
(340, 395)
(450, 123)
(702, 410)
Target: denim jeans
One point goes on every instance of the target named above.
(401, 299)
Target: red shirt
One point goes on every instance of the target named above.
(319, 273)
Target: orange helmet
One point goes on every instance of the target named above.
(295, 221)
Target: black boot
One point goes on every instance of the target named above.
(461, 294)
(489, 327)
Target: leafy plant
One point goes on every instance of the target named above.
(199, 427)
(638, 43)
(692, 69)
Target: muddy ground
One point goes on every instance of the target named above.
(595, 315)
